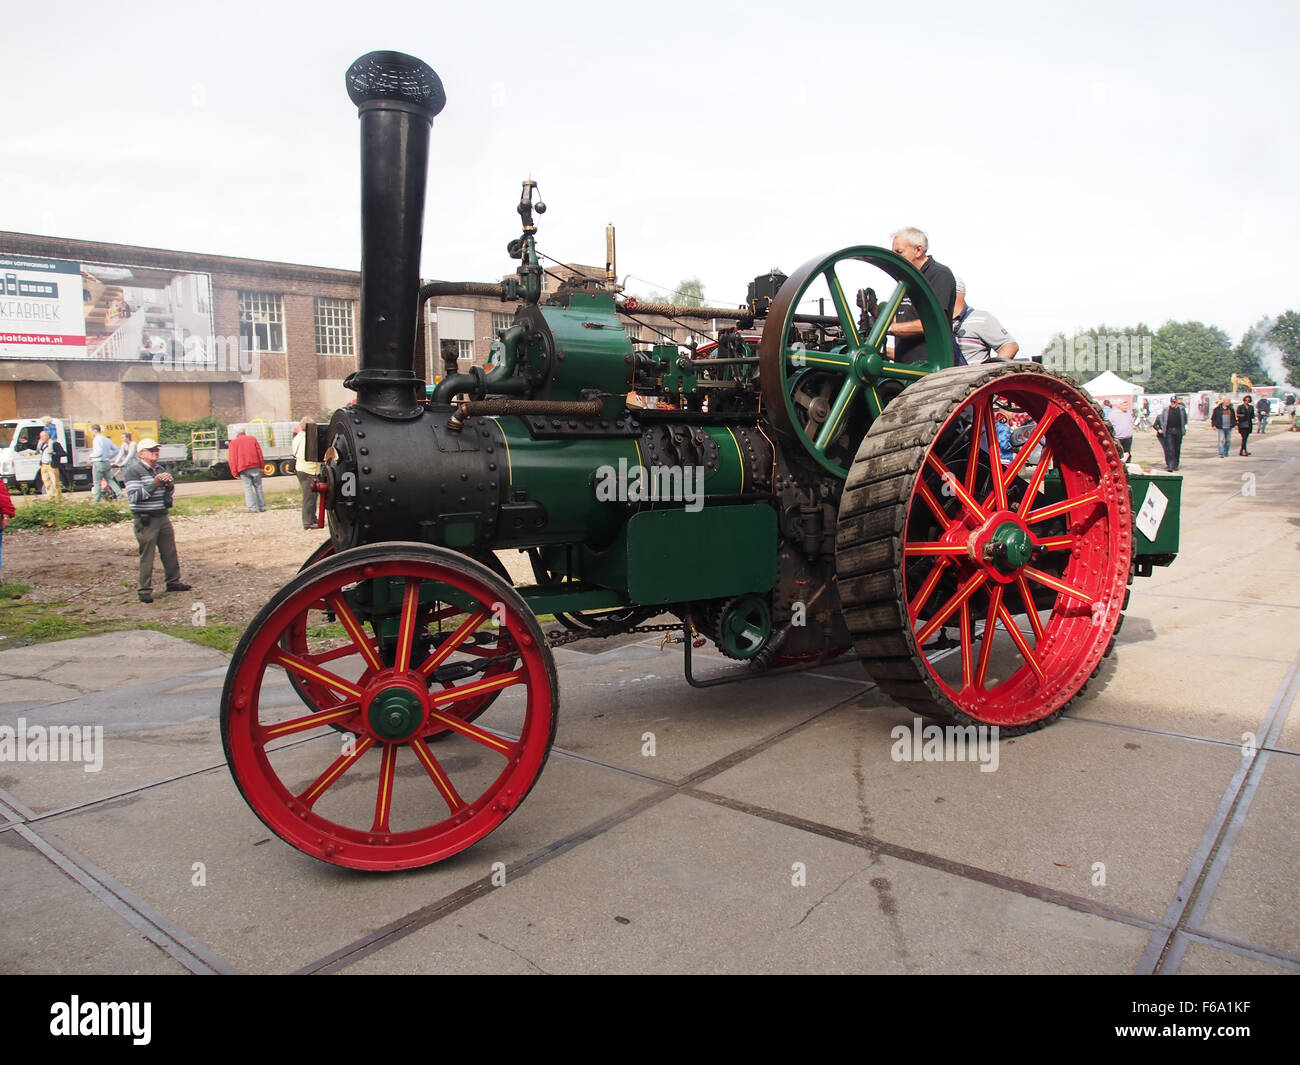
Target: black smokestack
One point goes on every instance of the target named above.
(396, 96)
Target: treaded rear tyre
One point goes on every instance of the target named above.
(928, 540)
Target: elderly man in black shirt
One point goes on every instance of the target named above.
(914, 246)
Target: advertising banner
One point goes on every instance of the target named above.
(41, 312)
(56, 309)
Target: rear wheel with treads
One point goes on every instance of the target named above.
(1025, 556)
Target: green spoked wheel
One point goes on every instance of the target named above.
(1024, 552)
(825, 394)
(378, 795)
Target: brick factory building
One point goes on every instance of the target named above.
(111, 331)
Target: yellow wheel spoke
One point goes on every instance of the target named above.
(294, 664)
(990, 629)
(338, 767)
(463, 631)
(353, 628)
(1057, 584)
(438, 775)
(310, 721)
(384, 796)
(406, 627)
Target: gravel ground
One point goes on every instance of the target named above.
(234, 560)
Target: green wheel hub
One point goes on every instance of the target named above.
(395, 714)
(1010, 546)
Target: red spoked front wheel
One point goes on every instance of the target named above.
(317, 637)
(984, 545)
(420, 637)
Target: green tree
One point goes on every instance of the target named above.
(1188, 356)
(691, 292)
(1286, 335)
(688, 293)
(1090, 352)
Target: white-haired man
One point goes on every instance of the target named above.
(914, 246)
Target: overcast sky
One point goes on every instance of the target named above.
(1119, 163)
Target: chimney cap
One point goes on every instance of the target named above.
(378, 77)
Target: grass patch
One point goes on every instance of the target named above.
(24, 622)
(68, 515)
(221, 637)
(74, 514)
(197, 506)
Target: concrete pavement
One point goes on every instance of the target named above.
(771, 830)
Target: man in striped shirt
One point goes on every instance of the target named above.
(149, 492)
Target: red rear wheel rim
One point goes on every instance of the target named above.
(1053, 614)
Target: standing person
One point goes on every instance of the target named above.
(914, 246)
(245, 459)
(1170, 424)
(1224, 420)
(1121, 424)
(149, 491)
(126, 454)
(6, 512)
(102, 454)
(307, 473)
(1262, 411)
(51, 453)
(1245, 422)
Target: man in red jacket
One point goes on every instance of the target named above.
(245, 459)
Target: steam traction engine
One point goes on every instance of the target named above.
(969, 530)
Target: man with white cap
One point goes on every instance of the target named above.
(149, 491)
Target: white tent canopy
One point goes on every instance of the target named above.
(1111, 384)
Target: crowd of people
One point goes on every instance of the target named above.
(1226, 418)
(131, 471)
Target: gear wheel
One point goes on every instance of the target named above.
(741, 626)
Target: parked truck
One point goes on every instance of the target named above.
(20, 465)
(275, 438)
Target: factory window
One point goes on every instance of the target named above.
(261, 322)
(334, 328)
(668, 335)
(501, 321)
(633, 330)
(457, 324)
